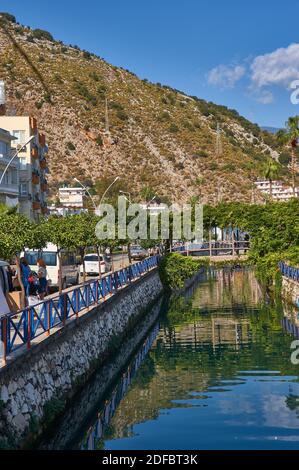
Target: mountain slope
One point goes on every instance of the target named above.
(159, 137)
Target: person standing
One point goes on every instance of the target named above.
(42, 278)
(25, 273)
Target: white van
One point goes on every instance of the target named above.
(91, 262)
(70, 269)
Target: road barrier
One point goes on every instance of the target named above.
(19, 329)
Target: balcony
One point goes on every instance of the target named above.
(33, 123)
(9, 189)
(36, 205)
(34, 152)
(35, 178)
(43, 164)
(44, 187)
(42, 140)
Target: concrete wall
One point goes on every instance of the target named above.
(290, 290)
(37, 385)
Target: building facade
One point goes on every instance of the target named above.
(280, 192)
(33, 170)
(9, 187)
(71, 198)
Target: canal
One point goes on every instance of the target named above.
(214, 372)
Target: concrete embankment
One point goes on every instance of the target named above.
(38, 385)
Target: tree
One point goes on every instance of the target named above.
(289, 137)
(16, 234)
(83, 235)
(60, 232)
(271, 172)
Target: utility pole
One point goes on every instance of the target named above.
(218, 154)
(107, 130)
(2, 98)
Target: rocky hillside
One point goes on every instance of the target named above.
(158, 137)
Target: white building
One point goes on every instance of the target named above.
(154, 209)
(280, 192)
(9, 188)
(33, 186)
(71, 198)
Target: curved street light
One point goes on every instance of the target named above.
(110, 186)
(88, 193)
(14, 156)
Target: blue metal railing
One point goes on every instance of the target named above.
(289, 271)
(19, 329)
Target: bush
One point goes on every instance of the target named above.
(70, 146)
(175, 269)
(122, 115)
(86, 55)
(284, 159)
(42, 34)
(173, 128)
(8, 17)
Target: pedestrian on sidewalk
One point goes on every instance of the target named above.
(25, 273)
(42, 277)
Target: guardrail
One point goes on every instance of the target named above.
(19, 329)
(289, 271)
(215, 248)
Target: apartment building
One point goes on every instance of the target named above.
(71, 198)
(9, 187)
(33, 170)
(280, 192)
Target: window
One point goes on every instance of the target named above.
(5, 178)
(23, 163)
(14, 177)
(20, 136)
(91, 258)
(23, 189)
(4, 149)
(49, 257)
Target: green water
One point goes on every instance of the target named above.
(214, 373)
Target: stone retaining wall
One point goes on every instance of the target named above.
(38, 384)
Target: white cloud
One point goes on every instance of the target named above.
(279, 67)
(264, 96)
(225, 76)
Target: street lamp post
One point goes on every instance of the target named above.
(14, 156)
(88, 193)
(110, 186)
(129, 194)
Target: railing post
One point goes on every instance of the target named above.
(64, 307)
(28, 316)
(49, 317)
(77, 302)
(97, 290)
(4, 331)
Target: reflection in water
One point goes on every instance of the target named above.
(95, 433)
(218, 375)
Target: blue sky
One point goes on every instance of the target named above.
(243, 54)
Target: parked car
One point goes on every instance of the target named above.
(138, 253)
(4, 284)
(91, 262)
